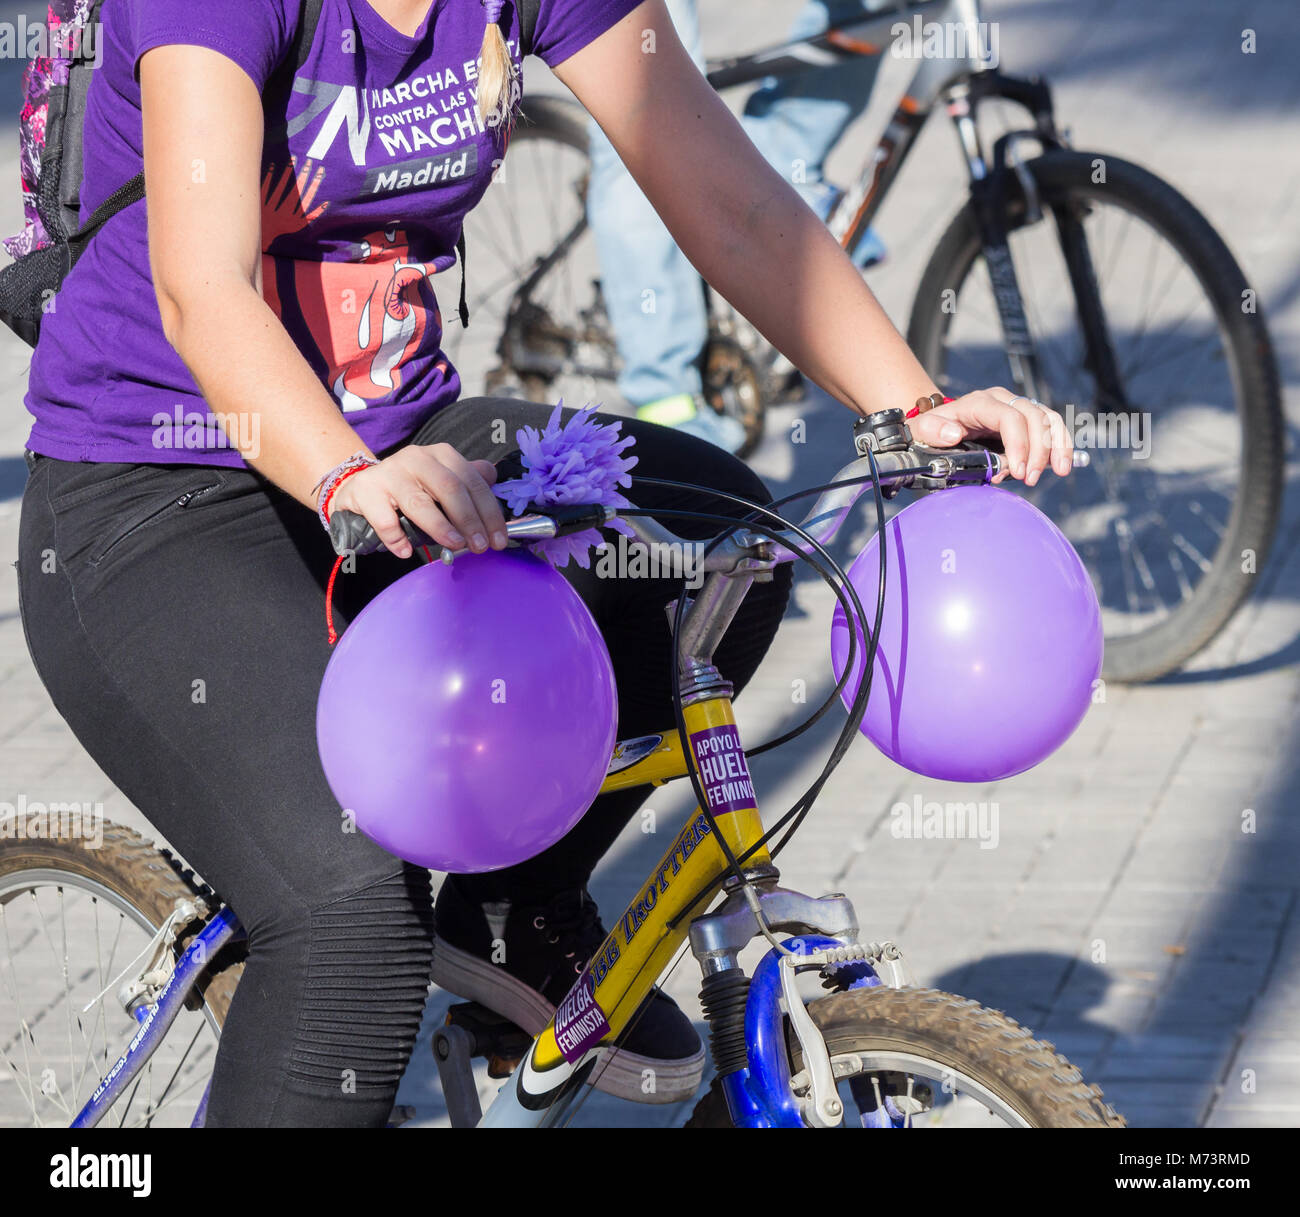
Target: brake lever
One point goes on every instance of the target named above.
(964, 465)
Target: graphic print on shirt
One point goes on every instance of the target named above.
(374, 311)
(424, 128)
(369, 316)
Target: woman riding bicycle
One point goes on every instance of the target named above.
(172, 572)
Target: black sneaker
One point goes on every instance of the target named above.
(540, 951)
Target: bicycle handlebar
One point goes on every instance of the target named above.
(352, 533)
(902, 465)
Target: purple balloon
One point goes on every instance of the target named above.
(991, 639)
(467, 716)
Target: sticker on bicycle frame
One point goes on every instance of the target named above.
(630, 751)
(580, 1024)
(724, 773)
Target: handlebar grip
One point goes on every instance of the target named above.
(353, 533)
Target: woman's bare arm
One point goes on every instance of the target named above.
(202, 153)
(203, 127)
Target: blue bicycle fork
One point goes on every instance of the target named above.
(760, 1094)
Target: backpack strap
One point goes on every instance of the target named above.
(281, 81)
(528, 12)
(463, 307)
(306, 33)
(119, 200)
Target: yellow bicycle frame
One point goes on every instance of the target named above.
(648, 934)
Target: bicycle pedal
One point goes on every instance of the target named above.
(494, 1036)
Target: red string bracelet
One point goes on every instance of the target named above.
(334, 481)
(327, 487)
(331, 633)
(927, 403)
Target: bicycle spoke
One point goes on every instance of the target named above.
(1104, 279)
(1156, 360)
(147, 1117)
(153, 1107)
(1032, 314)
(63, 928)
(24, 1031)
(77, 942)
(1140, 340)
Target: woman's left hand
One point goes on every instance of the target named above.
(1033, 436)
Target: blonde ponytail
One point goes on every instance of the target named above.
(499, 88)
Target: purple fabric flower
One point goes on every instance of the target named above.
(578, 461)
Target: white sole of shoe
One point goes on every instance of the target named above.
(621, 1074)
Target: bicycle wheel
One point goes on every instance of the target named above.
(537, 323)
(1177, 510)
(539, 328)
(73, 920)
(921, 1058)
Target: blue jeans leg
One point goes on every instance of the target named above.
(795, 121)
(653, 295)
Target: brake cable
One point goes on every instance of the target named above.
(817, 715)
(864, 691)
(836, 578)
(856, 617)
(843, 592)
(848, 599)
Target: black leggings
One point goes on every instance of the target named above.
(180, 631)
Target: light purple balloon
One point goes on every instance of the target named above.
(991, 639)
(467, 715)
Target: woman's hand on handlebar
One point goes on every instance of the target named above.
(444, 495)
(1033, 436)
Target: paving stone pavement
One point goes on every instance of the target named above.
(1124, 914)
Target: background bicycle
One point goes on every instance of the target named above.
(1070, 274)
(1130, 838)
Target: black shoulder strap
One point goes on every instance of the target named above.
(528, 10)
(280, 83)
(463, 307)
(133, 191)
(302, 40)
(119, 200)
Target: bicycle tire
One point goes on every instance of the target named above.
(957, 1034)
(142, 875)
(1064, 174)
(553, 118)
(542, 118)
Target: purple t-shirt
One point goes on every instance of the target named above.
(386, 129)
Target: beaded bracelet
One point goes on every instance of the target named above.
(927, 403)
(335, 478)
